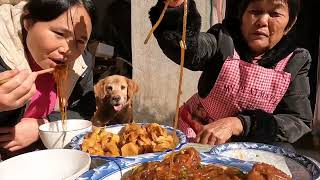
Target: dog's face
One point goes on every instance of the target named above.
(115, 90)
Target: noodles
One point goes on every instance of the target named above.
(60, 76)
(182, 47)
(154, 27)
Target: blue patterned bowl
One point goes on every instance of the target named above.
(298, 166)
(77, 140)
(230, 155)
(116, 168)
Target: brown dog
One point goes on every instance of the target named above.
(114, 100)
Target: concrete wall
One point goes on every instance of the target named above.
(154, 72)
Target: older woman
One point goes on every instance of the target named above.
(254, 84)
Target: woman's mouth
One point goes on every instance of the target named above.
(261, 33)
(57, 61)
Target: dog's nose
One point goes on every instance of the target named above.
(116, 98)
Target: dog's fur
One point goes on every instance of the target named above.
(114, 100)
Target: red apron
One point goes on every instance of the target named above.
(240, 85)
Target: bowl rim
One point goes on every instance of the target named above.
(43, 151)
(81, 170)
(42, 125)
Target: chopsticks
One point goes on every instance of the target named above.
(2, 81)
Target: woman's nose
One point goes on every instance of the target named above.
(64, 52)
(262, 20)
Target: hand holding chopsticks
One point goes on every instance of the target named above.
(6, 79)
(17, 87)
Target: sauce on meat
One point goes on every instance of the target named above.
(186, 165)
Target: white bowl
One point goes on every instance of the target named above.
(50, 164)
(53, 136)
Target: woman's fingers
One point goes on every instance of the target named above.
(212, 140)
(8, 144)
(205, 137)
(26, 97)
(25, 87)
(175, 3)
(18, 90)
(15, 148)
(6, 75)
(198, 137)
(14, 82)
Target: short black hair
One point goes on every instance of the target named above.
(293, 6)
(47, 10)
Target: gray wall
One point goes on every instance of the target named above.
(156, 75)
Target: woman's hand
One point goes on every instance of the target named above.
(21, 135)
(175, 3)
(219, 131)
(18, 90)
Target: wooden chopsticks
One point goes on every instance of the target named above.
(2, 81)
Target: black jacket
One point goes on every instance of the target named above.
(81, 104)
(207, 51)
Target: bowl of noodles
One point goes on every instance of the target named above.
(129, 140)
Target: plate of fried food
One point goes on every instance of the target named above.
(186, 163)
(128, 140)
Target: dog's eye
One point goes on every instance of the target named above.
(123, 87)
(109, 88)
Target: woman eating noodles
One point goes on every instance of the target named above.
(34, 36)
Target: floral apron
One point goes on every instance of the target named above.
(240, 86)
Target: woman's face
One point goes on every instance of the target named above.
(60, 40)
(264, 23)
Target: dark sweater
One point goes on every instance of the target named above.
(207, 51)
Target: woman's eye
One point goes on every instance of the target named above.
(81, 42)
(274, 14)
(255, 12)
(60, 34)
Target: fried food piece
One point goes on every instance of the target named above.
(99, 142)
(111, 149)
(163, 143)
(130, 149)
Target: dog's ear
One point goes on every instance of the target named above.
(100, 91)
(132, 88)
